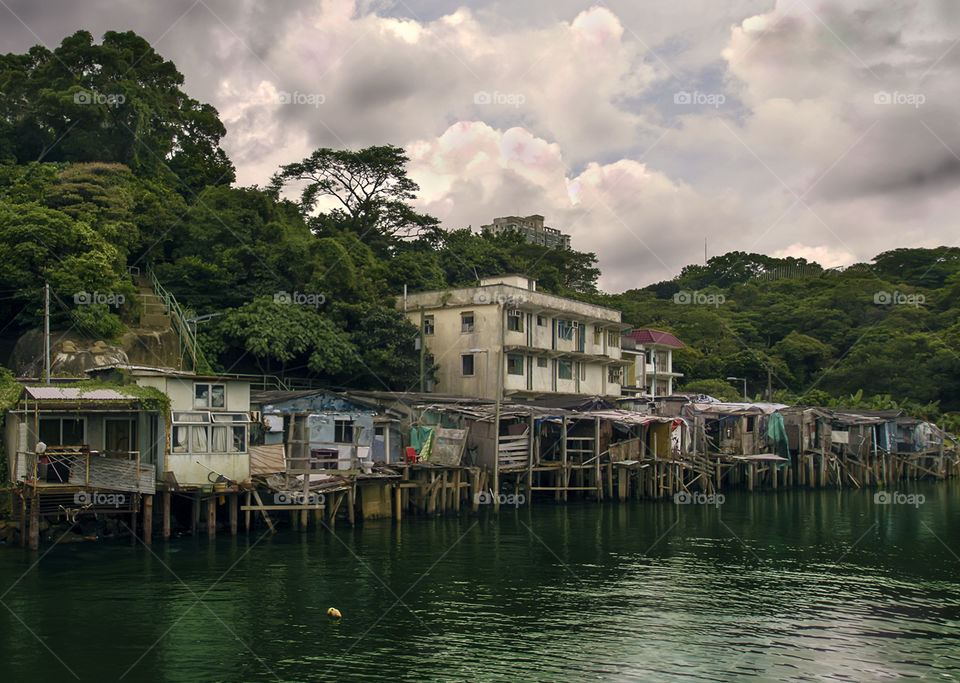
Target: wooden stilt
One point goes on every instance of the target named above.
(35, 523)
(165, 512)
(352, 502)
(246, 513)
(266, 515)
(148, 519)
(212, 517)
(234, 505)
(194, 513)
(24, 522)
(397, 503)
(135, 517)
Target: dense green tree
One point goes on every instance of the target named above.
(116, 102)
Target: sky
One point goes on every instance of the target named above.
(651, 132)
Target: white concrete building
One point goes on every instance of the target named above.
(505, 335)
(650, 371)
(208, 425)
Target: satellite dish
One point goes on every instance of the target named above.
(40, 447)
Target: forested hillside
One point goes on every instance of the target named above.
(889, 327)
(108, 167)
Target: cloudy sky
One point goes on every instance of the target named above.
(827, 130)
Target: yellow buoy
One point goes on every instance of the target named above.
(334, 613)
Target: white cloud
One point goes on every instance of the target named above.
(799, 159)
(639, 222)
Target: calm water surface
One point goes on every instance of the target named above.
(797, 586)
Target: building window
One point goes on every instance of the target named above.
(541, 321)
(209, 433)
(541, 362)
(613, 375)
(466, 322)
(564, 329)
(209, 396)
(515, 321)
(120, 436)
(514, 364)
(67, 431)
(428, 325)
(466, 364)
(564, 369)
(613, 339)
(343, 431)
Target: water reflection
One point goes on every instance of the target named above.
(822, 585)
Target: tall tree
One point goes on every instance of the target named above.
(370, 187)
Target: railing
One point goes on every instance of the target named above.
(275, 383)
(188, 338)
(79, 467)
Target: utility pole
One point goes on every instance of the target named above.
(46, 332)
(423, 351)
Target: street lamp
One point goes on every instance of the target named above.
(744, 380)
(486, 369)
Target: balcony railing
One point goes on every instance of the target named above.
(79, 467)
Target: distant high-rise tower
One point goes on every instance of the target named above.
(532, 228)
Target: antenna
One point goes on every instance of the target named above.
(704, 251)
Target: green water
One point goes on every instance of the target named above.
(796, 586)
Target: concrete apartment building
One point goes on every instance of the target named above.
(650, 370)
(532, 228)
(505, 335)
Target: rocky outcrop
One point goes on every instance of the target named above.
(72, 355)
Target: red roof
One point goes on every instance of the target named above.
(648, 336)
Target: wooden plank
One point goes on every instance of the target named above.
(266, 516)
(256, 508)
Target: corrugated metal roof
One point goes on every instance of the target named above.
(649, 336)
(76, 394)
